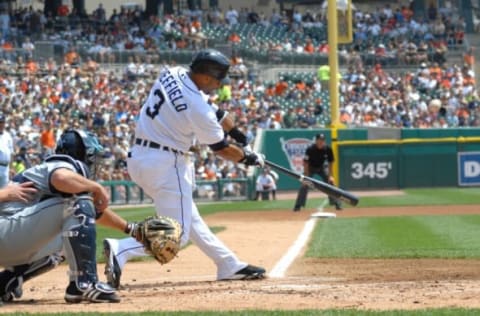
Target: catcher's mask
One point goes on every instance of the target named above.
(81, 145)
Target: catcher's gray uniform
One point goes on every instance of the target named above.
(33, 235)
(32, 231)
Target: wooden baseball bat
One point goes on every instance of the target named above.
(326, 188)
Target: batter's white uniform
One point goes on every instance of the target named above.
(174, 115)
(6, 151)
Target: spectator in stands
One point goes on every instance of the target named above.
(309, 48)
(438, 29)
(28, 48)
(48, 139)
(31, 66)
(411, 56)
(439, 54)
(281, 87)
(323, 48)
(290, 118)
(231, 16)
(4, 23)
(234, 38)
(224, 93)
(99, 14)
(275, 18)
(265, 185)
(323, 75)
(286, 45)
(469, 58)
(7, 49)
(90, 65)
(71, 56)
(63, 11)
(432, 12)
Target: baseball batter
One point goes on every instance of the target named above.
(60, 214)
(173, 117)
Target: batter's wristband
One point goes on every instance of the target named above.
(238, 135)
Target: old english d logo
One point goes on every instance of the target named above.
(294, 149)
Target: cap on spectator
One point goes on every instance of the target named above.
(320, 136)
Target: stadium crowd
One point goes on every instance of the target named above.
(41, 98)
(386, 34)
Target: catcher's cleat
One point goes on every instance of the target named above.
(113, 272)
(10, 286)
(248, 273)
(94, 293)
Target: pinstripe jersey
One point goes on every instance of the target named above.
(176, 112)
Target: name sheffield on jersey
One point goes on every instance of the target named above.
(173, 91)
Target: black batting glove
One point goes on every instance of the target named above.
(253, 159)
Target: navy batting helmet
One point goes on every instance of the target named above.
(80, 145)
(210, 62)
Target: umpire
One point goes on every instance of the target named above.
(318, 160)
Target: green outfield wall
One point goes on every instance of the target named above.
(419, 158)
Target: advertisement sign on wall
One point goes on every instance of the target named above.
(469, 168)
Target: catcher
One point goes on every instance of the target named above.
(42, 245)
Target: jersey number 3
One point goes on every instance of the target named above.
(153, 111)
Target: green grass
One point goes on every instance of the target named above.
(397, 237)
(437, 196)
(338, 312)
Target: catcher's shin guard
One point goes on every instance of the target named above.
(11, 279)
(79, 243)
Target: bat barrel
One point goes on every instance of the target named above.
(326, 188)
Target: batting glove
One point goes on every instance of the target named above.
(253, 159)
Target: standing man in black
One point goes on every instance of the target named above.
(318, 160)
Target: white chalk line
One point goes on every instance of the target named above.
(292, 253)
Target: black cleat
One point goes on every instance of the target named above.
(93, 293)
(10, 286)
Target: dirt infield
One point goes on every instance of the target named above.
(262, 238)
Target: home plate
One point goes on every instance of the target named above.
(323, 215)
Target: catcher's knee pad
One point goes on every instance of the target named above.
(79, 242)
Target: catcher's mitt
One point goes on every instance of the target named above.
(160, 235)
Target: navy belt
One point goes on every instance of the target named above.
(154, 145)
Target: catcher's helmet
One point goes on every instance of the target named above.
(210, 62)
(80, 145)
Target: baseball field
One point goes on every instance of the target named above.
(411, 252)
